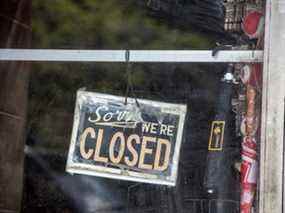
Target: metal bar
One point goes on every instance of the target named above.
(60, 55)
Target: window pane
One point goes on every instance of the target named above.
(221, 133)
(115, 24)
(51, 104)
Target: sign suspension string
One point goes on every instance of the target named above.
(129, 77)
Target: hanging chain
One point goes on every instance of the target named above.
(129, 77)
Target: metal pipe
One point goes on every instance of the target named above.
(67, 55)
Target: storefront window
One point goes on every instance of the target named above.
(219, 152)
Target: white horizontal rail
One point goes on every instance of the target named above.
(60, 55)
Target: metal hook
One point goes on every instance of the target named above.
(127, 56)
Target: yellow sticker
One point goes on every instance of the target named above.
(217, 136)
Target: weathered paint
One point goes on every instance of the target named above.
(272, 130)
(13, 103)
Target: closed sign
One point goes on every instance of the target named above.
(128, 141)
